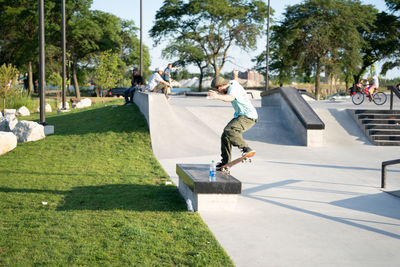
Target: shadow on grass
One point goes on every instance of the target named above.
(115, 197)
(98, 120)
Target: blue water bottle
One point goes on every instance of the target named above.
(213, 172)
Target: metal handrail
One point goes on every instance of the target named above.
(396, 90)
(383, 171)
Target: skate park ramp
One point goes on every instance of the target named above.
(300, 206)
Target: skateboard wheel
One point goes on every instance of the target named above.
(250, 160)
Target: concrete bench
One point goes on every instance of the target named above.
(205, 195)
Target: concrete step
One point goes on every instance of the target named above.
(381, 126)
(380, 121)
(384, 132)
(376, 111)
(386, 143)
(379, 116)
(386, 137)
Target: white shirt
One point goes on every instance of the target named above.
(154, 80)
(241, 104)
(375, 80)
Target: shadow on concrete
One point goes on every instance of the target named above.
(347, 221)
(349, 125)
(331, 166)
(271, 128)
(114, 197)
(374, 203)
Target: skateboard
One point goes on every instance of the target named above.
(246, 158)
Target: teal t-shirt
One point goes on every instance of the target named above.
(241, 104)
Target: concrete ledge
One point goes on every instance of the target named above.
(218, 195)
(300, 117)
(142, 99)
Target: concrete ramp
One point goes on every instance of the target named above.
(175, 132)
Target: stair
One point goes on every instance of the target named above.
(382, 127)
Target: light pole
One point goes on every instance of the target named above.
(141, 43)
(63, 52)
(42, 72)
(267, 52)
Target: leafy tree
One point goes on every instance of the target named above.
(187, 53)
(107, 72)
(8, 78)
(317, 32)
(212, 25)
(394, 56)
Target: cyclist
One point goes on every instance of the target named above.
(374, 86)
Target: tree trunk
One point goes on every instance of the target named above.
(4, 106)
(76, 85)
(317, 79)
(30, 77)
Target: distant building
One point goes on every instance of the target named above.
(250, 78)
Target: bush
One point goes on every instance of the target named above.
(22, 99)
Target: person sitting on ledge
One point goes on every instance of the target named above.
(136, 82)
(157, 83)
(244, 118)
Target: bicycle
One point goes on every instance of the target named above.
(378, 98)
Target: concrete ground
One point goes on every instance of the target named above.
(300, 206)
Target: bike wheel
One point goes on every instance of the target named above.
(379, 98)
(357, 98)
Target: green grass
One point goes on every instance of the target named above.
(107, 202)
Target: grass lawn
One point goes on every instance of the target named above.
(107, 202)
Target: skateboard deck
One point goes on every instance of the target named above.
(226, 168)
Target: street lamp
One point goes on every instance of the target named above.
(267, 52)
(42, 63)
(63, 52)
(141, 43)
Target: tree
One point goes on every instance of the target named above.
(8, 78)
(187, 53)
(107, 72)
(317, 32)
(211, 25)
(394, 56)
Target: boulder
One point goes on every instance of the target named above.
(60, 105)
(8, 122)
(84, 103)
(8, 141)
(47, 108)
(27, 131)
(23, 111)
(10, 112)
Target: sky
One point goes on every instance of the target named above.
(239, 59)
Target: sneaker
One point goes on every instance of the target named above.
(129, 103)
(247, 150)
(219, 165)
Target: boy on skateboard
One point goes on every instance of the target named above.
(244, 118)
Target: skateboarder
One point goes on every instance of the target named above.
(244, 118)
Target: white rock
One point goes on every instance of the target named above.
(10, 112)
(8, 122)
(27, 131)
(60, 105)
(47, 108)
(23, 111)
(8, 141)
(86, 102)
